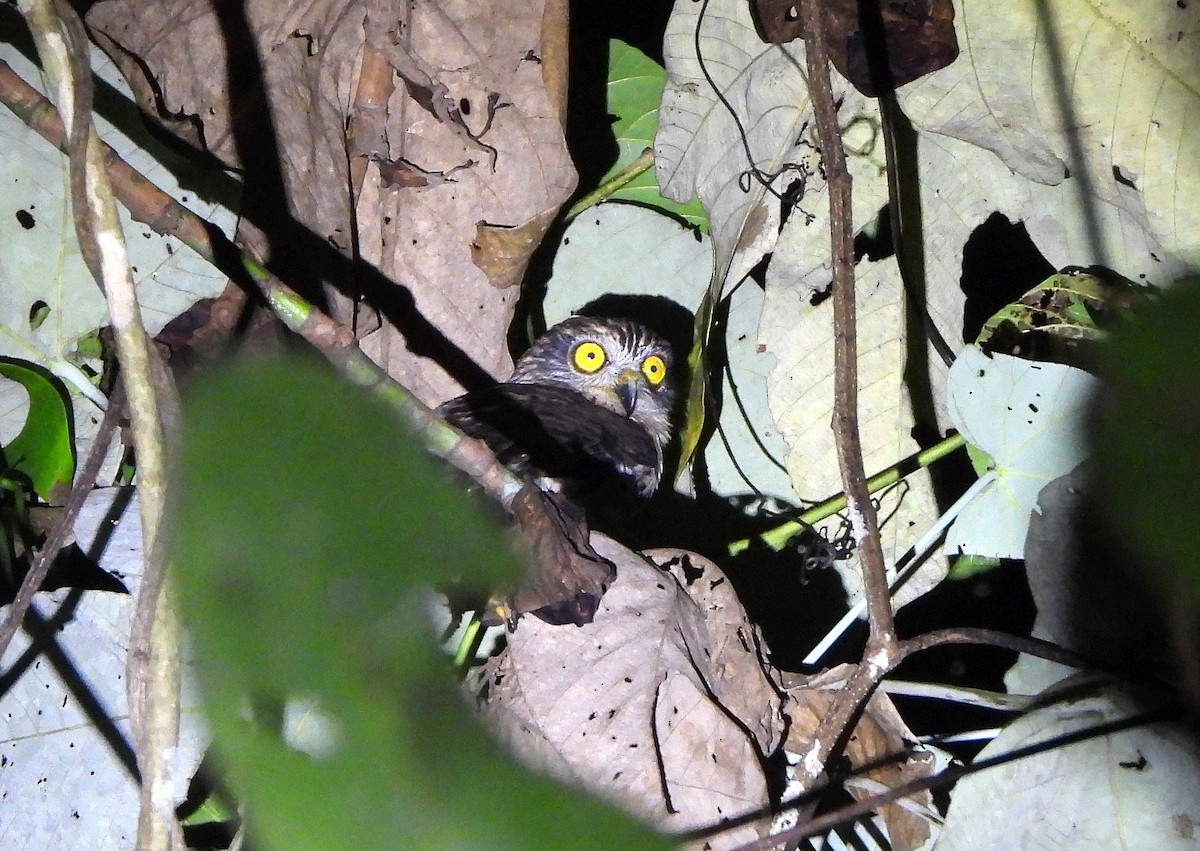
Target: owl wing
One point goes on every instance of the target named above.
(548, 430)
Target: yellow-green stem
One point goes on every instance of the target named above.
(778, 537)
(610, 186)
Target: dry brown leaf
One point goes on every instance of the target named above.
(567, 577)
(467, 102)
(641, 705)
(739, 656)
(503, 252)
(879, 739)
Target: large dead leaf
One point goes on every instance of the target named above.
(459, 106)
(663, 703)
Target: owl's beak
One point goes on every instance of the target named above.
(627, 390)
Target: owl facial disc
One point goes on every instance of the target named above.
(591, 397)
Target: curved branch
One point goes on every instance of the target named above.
(995, 638)
(154, 654)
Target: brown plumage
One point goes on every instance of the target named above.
(588, 404)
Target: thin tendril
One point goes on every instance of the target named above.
(758, 441)
(733, 460)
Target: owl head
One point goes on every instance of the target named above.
(616, 363)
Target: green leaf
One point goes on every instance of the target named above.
(44, 449)
(965, 567)
(635, 85)
(1147, 435)
(981, 462)
(1029, 418)
(309, 528)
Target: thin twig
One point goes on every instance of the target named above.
(997, 700)
(778, 537)
(865, 807)
(845, 353)
(995, 638)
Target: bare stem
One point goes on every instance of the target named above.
(63, 50)
(631, 172)
(882, 650)
(778, 537)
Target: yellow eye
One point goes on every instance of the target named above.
(588, 357)
(654, 369)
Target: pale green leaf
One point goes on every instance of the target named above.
(1029, 417)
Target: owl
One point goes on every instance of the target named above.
(589, 404)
